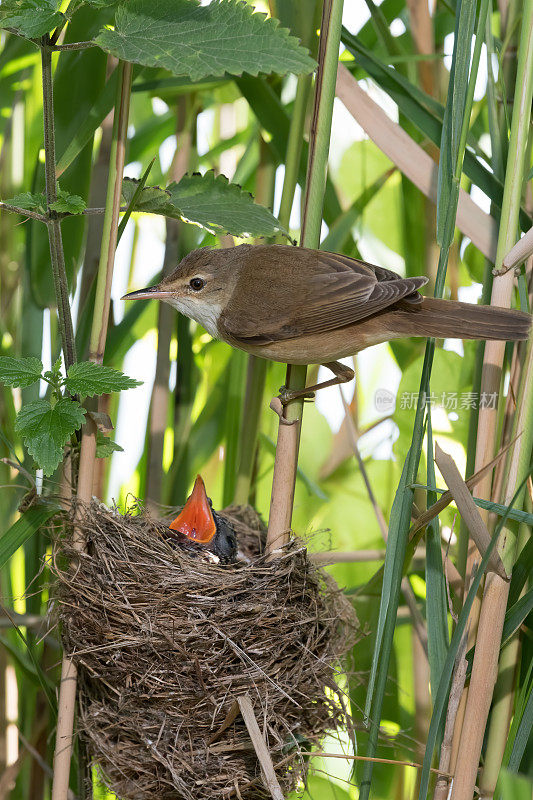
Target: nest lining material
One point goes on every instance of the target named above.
(165, 643)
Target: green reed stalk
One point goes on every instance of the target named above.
(286, 460)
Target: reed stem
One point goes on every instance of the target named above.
(286, 460)
(496, 592)
(67, 691)
(57, 255)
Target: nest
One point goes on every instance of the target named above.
(166, 643)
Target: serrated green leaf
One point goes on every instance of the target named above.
(189, 39)
(46, 429)
(29, 201)
(87, 379)
(68, 203)
(19, 371)
(31, 18)
(209, 201)
(105, 446)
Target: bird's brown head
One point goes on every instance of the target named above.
(196, 520)
(199, 287)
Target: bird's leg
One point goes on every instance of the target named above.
(342, 374)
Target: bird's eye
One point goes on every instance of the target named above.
(196, 284)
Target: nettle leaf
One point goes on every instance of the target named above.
(29, 201)
(186, 38)
(87, 379)
(20, 371)
(31, 18)
(106, 446)
(209, 201)
(68, 203)
(46, 429)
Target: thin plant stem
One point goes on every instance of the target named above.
(256, 370)
(496, 591)
(294, 149)
(24, 212)
(159, 401)
(67, 692)
(57, 256)
(286, 459)
(253, 403)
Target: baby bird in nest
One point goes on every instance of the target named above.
(198, 529)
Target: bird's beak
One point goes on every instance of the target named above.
(150, 293)
(196, 519)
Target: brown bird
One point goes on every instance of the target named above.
(302, 306)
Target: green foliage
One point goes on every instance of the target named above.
(87, 379)
(208, 200)
(105, 446)
(25, 526)
(47, 425)
(31, 18)
(201, 41)
(29, 201)
(20, 371)
(67, 203)
(46, 429)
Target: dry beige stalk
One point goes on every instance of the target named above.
(468, 510)
(260, 747)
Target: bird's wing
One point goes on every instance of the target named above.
(308, 292)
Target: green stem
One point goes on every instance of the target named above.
(469, 100)
(286, 461)
(111, 215)
(251, 417)
(256, 370)
(57, 256)
(294, 149)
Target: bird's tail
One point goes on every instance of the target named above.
(447, 319)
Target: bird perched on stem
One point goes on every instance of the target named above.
(199, 529)
(302, 306)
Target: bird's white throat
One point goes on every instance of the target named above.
(205, 313)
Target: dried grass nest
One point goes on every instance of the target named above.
(165, 642)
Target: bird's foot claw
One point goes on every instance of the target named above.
(277, 407)
(285, 395)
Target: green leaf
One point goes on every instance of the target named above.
(209, 201)
(516, 614)
(21, 530)
(68, 203)
(46, 429)
(20, 371)
(87, 379)
(29, 201)
(133, 202)
(31, 18)
(106, 446)
(522, 570)
(189, 39)
(436, 600)
(454, 118)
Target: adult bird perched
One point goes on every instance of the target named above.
(302, 306)
(199, 529)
